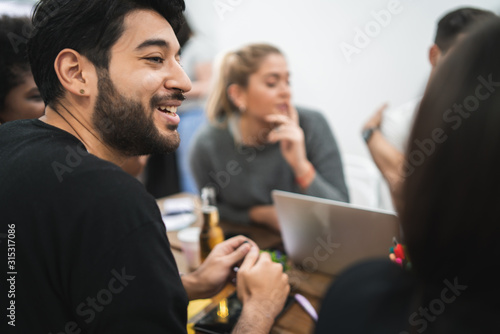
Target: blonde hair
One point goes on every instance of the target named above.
(235, 68)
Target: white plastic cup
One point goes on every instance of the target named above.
(190, 244)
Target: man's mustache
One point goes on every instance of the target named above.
(177, 96)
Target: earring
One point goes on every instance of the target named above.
(82, 91)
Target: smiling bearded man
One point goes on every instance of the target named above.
(88, 245)
(127, 127)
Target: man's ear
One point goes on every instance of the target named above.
(237, 95)
(74, 72)
(434, 55)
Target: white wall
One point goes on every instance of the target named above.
(15, 8)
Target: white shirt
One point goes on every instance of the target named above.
(397, 123)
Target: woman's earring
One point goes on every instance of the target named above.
(82, 91)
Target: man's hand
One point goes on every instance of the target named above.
(262, 287)
(216, 270)
(376, 120)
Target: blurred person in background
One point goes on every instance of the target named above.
(19, 95)
(258, 141)
(197, 61)
(386, 132)
(450, 217)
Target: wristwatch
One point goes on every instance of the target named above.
(367, 133)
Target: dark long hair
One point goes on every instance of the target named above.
(451, 212)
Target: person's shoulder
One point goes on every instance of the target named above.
(372, 296)
(101, 178)
(371, 280)
(402, 113)
(60, 164)
(51, 154)
(306, 114)
(379, 265)
(35, 136)
(313, 123)
(28, 129)
(111, 199)
(311, 118)
(65, 158)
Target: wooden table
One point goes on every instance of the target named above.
(311, 285)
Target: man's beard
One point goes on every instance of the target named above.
(126, 126)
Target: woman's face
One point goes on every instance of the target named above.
(268, 90)
(23, 101)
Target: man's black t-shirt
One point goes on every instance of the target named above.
(89, 249)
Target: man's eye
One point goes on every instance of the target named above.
(157, 60)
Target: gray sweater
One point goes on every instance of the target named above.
(245, 176)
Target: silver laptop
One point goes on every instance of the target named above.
(328, 236)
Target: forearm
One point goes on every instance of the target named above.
(388, 160)
(320, 187)
(255, 320)
(324, 154)
(193, 288)
(311, 182)
(329, 181)
(265, 215)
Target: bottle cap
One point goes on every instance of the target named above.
(208, 196)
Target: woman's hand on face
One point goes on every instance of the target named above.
(291, 137)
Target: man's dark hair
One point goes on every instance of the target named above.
(14, 64)
(185, 32)
(90, 27)
(457, 22)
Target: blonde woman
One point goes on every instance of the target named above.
(257, 141)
